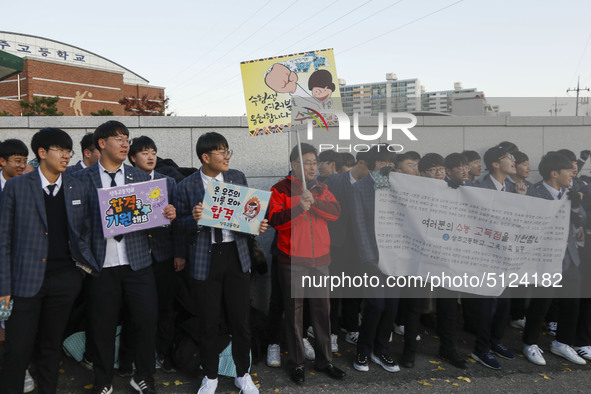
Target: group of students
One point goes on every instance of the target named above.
(53, 252)
(344, 240)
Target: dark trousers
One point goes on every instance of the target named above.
(108, 292)
(376, 325)
(411, 320)
(447, 314)
(567, 311)
(226, 289)
(275, 314)
(518, 308)
(491, 315)
(42, 317)
(293, 305)
(165, 284)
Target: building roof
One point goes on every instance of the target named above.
(10, 65)
(34, 47)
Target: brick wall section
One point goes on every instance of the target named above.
(97, 97)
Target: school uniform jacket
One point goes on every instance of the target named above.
(161, 238)
(193, 241)
(136, 243)
(23, 232)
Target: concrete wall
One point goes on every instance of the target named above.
(264, 159)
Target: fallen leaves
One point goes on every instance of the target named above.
(465, 379)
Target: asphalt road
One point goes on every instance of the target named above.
(430, 375)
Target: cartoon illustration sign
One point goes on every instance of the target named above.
(282, 88)
(233, 207)
(133, 207)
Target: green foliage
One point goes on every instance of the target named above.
(41, 106)
(5, 113)
(102, 112)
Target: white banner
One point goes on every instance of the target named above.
(469, 239)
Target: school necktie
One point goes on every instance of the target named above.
(560, 195)
(118, 238)
(217, 232)
(51, 188)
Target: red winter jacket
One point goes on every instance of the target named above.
(302, 236)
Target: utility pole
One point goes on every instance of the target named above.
(555, 110)
(577, 90)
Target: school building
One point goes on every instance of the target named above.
(84, 81)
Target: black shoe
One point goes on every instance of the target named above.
(332, 371)
(166, 364)
(408, 360)
(143, 386)
(454, 359)
(125, 371)
(297, 375)
(103, 390)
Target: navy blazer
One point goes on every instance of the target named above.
(342, 189)
(136, 243)
(364, 221)
(75, 168)
(488, 183)
(23, 232)
(161, 241)
(193, 241)
(572, 254)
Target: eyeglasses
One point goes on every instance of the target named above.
(509, 156)
(225, 153)
(64, 152)
(436, 170)
(18, 162)
(122, 141)
(463, 168)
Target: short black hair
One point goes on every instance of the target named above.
(509, 146)
(471, 155)
(139, 144)
(411, 155)
(87, 142)
(112, 128)
(455, 160)
(553, 161)
(330, 156)
(568, 153)
(306, 148)
(208, 142)
(377, 153)
(48, 137)
(347, 159)
(431, 160)
(520, 157)
(13, 147)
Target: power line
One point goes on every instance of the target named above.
(203, 56)
(577, 90)
(323, 27)
(237, 45)
(357, 23)
(402, 26)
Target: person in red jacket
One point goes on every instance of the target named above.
(300, 218)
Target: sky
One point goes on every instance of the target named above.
(518, 48)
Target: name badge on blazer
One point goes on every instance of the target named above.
(76, 202)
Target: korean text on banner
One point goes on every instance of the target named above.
(425, 228)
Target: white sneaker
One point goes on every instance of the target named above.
(583, 351)
(334, 346)
(534, 354)
(246, 385)
(29, 383)
(208, 386)
(552, 327)
(309, 350)
(399, 329)
(564, 350)
(273, 355)
(311, 332)
(352, 337)
(519, 323)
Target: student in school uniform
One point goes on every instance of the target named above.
(125, 272)
(44, 254)
(90, 154)
(475, 164)
(557, 171)
(13, 160)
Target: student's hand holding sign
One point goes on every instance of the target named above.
(169, 212)
(197, 211)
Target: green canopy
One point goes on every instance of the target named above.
(10, 65)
